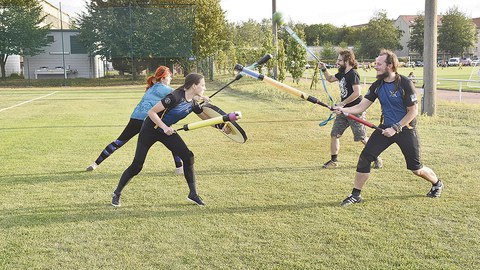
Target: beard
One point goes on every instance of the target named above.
(341, 69)
(383, 75)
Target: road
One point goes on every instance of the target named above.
(465, 97)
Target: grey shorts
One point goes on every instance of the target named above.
(342, 122)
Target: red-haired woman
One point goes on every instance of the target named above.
(158, 86)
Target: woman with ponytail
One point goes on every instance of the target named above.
(158, 86)
(157, 128)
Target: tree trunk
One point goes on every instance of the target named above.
(2, 65)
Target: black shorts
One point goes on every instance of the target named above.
(407, 140)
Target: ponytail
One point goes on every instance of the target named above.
(160, 73)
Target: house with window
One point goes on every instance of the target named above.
(64, 57)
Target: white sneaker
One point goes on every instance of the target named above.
(92, 167)
(179, 170)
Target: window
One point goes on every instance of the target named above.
(76, 47)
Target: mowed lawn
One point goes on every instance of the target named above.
(270, 205)
(449, 78)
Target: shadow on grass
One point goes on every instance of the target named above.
(96, 212)
(80, 175)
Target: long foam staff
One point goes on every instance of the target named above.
(231, 117)
(262, 61)
(299, 93)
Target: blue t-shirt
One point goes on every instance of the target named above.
(394, 98)
(176, 108)
(153, 95)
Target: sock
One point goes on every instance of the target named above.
(334, 158)
(356, 192)
(436, 184)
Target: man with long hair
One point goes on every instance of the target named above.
(349, 82)
(398, 101)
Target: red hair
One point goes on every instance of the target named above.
(160, 73)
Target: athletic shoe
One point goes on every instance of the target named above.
(116, 200)
(436, 190)
(351, 200)
(378, 163)
(92, 167)
(179, 170)
(196, 199)
(330, 164)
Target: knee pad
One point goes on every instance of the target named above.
(363, 165)
(119, 143)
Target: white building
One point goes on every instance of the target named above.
(405, 23)
(50, 64)
(68, 53)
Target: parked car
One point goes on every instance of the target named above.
(455, 61)
(466, 61)
(410, 64)
(475, 62)
(419, 63)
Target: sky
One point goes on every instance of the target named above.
(347, 12)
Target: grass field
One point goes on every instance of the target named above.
(447, 78)
(269, 203)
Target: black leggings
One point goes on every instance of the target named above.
(133, 128)
(147, 137)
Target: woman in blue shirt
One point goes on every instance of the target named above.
(158, 86)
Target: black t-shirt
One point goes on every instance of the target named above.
(346, 83)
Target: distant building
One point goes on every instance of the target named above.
(406, 22)
(476, 54)
(49, 64)
(14, 62)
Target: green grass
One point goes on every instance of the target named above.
(444, 77)
(270, 205)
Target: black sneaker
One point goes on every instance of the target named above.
(330, 164)
(351, 200)
(116, 200)
(436, 190)
(196, 199)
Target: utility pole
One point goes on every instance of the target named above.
(430, 58)
(275, 42)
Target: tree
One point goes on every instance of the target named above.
(328, 52)
(321, 32)
(296, 56)
(281, 56)
(20, 31)
(380, 33)
(141, 32)
(457, 34)
(268, 48)
(416, 37)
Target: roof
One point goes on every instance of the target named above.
(410, 19)
(476, 21)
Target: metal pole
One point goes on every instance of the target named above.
(134, 74)
(63, 46)
(275, 42)
(430, 57)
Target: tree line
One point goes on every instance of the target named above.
(141, 34)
